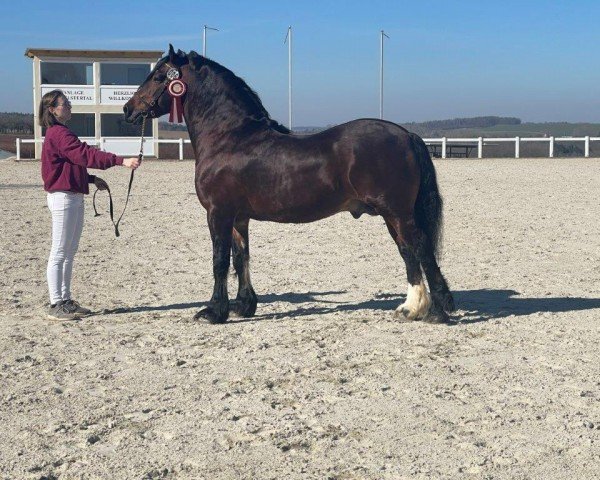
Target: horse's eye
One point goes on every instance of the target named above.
(160, 78)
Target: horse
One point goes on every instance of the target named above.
(250, 167)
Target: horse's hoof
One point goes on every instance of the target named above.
(405, 315)
(240, 308)
(437, 317)
(209, 315)
(449, 303)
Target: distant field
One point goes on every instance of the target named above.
(530, 130)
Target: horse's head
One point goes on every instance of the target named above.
(152, 98)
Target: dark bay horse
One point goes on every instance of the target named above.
(250, 167)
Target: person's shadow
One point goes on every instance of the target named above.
(478, 305)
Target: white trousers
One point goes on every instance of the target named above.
(67, 210)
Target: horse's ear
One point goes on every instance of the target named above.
(171, 53)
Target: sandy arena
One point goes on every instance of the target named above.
(324, 383)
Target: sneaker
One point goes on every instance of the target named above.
(60, 311)
(74, 307)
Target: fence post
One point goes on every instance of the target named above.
(18, 149)
(480, 147)
(551, 147)
(101, 143)
(181, 149)
(517, 146)
(443, 147)
(587, 146)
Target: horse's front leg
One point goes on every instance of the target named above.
(244, 304)
(217, 309)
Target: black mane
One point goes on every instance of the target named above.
(251, 99)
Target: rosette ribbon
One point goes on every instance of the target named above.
(176, 90)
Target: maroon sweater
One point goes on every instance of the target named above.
(65, 160)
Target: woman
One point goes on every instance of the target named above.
(65, 160)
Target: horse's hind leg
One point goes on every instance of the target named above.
(417, 302)
(244, 304)
(419, 248)
(443, 302)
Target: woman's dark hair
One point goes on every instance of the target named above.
(45, 117)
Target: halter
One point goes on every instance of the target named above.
(172, 74)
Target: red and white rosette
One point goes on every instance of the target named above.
(176, 89)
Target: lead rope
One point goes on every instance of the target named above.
(110, 201)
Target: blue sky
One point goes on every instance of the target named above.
(537, 60)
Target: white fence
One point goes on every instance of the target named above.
(443, 142)
(479, 142)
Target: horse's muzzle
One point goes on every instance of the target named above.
(131, 116)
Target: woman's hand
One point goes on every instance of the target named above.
(132, 162)
(100, 184)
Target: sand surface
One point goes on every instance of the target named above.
(324, 382)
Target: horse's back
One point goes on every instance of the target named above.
(378, 157)
(362, 127)
(365, 139)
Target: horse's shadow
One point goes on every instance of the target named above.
(483, 304)
(267, 298)
(474, 305)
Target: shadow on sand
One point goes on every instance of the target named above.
(478, 305)
(482, 305)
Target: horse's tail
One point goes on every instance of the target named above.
(429, 205)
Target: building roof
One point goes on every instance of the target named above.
(59, 52)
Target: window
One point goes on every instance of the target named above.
(114, 125)
(67, 73)
(81, 124)
(123, 73)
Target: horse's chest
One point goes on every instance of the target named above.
(217, 186)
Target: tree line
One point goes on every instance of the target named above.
(172, 127)
(437, 127)
(13, 122)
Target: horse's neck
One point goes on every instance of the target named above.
(210, 112)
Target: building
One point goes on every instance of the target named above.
(97, 83)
